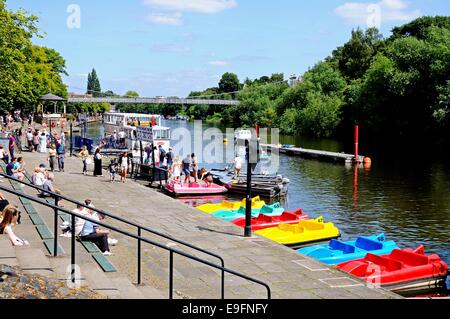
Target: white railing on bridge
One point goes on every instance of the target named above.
(145, 100)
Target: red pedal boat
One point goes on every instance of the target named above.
(198, 189)
(404, 271)
(264, 221)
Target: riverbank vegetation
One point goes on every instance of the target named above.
(397, 86)
(27, 71)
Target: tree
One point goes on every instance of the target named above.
(27, 71)
(419, 27)
(229, 83)
(93, 84)
(354, 58)
(131, 94)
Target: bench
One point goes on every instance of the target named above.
(101, 260)
(41, 227)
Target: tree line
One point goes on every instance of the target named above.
(398, 86)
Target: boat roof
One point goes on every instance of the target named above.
(134, 114)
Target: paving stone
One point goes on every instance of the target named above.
(255, 256)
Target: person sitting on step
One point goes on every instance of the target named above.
(11, 218)
(93, 233)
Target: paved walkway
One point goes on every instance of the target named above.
(289, 274)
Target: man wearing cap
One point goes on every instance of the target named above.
(169, 157)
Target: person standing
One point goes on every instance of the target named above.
(237, 166)
(61, 151)
(52, 157)
(123, 161)
(169, 157)
(186, 163)
(122, 139)
(176, 168)
(36, 141)
(162, 155)
(43, 143)
(30, 139)
(98, 163)
(12, 145)
(194, 165)
(84, 154)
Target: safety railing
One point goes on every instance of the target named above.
(140, 239)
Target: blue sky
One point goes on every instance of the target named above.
(172, 47)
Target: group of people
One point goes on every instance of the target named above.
(88, 230)
(45, 179)
(119, 167)
(116, 167)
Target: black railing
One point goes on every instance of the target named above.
(58, 209)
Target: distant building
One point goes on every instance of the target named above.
(75, 95)
(294, 80)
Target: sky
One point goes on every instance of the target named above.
(173, 47)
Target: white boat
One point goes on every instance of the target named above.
(128, 122)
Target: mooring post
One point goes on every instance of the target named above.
(356, 144)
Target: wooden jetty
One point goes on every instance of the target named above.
(314, 154)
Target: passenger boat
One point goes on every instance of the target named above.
(177, 188)
(402, 271)
(128, 122)
(230, 215)
(227, 205)
(265, 221)
(340, 251)
(303, 233)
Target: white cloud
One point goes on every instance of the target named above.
(218, 63)
(373, 14)
(202, 6)
(166, 19)
(170, 48)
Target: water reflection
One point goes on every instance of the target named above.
(407, 200)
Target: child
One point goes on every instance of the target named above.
(112, 171)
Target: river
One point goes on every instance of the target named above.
(406, 198)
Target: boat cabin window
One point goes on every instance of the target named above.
(161, 134)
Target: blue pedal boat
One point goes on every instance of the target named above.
(339, 251)
(269, 210)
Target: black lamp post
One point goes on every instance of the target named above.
(248, 202)
(71, 138)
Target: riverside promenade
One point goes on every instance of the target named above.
(289, 274)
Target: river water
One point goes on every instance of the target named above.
(407, 200)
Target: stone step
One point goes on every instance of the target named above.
(6, 248)
(7, 252)
(152, 293)
(33, 260)
(126, 289)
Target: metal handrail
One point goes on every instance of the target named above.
(139, 238)
(58, 197)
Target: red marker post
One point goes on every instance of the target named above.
(356, 143)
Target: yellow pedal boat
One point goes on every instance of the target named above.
(227, 205)
(302, 234)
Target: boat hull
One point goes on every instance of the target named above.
(193, 189)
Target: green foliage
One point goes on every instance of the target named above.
(27, 71)
(229, 83)
(354, 58)
(93, 84)
(419, 27)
